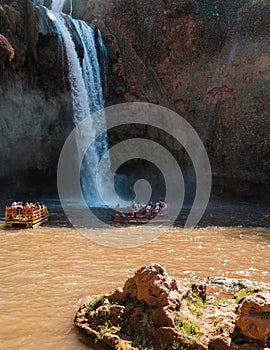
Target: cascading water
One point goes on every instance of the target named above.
(86, 89)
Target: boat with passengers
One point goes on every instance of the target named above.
(140, 213)
(27, 215)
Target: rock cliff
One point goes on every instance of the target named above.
(35, 109)
(208, 60)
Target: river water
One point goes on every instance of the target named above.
(47, 272)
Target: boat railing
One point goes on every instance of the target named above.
(24, 215)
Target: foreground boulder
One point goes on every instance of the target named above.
(155, 311)
(253, 321)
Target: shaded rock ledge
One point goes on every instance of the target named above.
(155, 311)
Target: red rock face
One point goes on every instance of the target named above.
(36, 111)
(210, 62)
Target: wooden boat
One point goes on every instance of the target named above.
(267, 216)
(133, 217)
(28, 217)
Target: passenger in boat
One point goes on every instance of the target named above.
(26, 208)
(149, 207)
(156, 210)
(136, 205)
(161, 203)
(118, 211)
(141, 209)
(135, 208)
(132, 211)
(267, 216)
(38, 205)
(19, 207)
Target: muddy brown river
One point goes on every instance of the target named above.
(47, 272)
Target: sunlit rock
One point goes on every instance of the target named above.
(253, 321)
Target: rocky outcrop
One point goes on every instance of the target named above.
(152, 286)
(153, 310)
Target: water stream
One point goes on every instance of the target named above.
(82, 45)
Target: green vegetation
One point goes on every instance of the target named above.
(202, 67)
(199, 313)
(102, 330)
(143, 342)
(222, 301)
(186, 327)
(211, 9)
(196, 303)
(244, 101)
(145, 345)
(266, 315)
(262, 86)
(195, 299)
(243, 293)
(145, 321)
(178, 62)
(94, 303)
(177, 346)
(109, 49)
(107, 327)
(135, 303)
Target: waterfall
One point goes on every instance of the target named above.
(84, 74)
